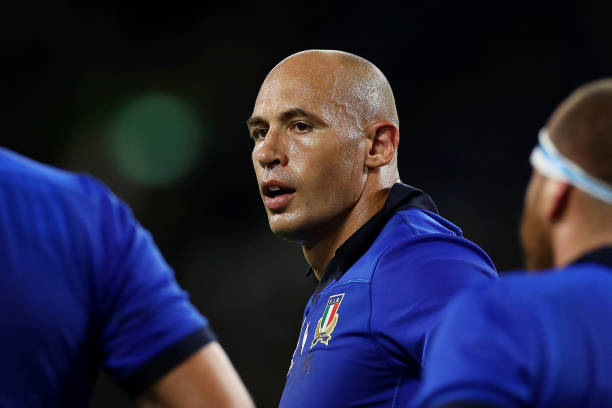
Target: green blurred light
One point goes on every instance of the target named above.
(156, 139)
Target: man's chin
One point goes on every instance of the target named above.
(299, 227)
(290, 228)
(283, 227)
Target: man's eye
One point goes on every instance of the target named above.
(259, 133)
(302, 127)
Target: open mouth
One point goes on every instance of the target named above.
(277, 197)
(276, 191)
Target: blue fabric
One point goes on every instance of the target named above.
(392, 299)
(82, 284)
(537, 341)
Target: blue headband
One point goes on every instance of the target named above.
(551, 163)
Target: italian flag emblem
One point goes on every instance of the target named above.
(327, 323)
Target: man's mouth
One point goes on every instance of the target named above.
(277, 195)
(275, 191)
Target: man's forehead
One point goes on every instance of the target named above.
(279, 92)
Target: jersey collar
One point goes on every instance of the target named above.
(401, 197)
(602, 255)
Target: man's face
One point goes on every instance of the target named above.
(308, 153)
(535, 229)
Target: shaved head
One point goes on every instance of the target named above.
(357, 88)
(325, 132)
(581, 128)
(560, 223)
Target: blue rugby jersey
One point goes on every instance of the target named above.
(528, 341)
(369, 322)
(82, 285)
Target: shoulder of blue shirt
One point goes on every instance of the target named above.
(418, 236)
(20, 173)
(500, 312)
(421, 262)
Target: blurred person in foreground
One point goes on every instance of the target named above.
(325, 132)
(545, 340)
(82, 285)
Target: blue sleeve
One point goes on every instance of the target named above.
(413, 283)
(148, 324)
(482, 352)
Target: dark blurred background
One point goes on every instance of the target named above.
(152, 99)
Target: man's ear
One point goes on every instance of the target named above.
(560, 200)
(383, 139)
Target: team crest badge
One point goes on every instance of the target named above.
(327, 323)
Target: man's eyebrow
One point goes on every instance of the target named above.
(297, 111)
(286, 116)
(256, 120)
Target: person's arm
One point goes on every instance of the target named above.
(206, 379)
(154, 342)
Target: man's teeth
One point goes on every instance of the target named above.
(274, 188)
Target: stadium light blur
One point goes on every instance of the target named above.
(156, 139)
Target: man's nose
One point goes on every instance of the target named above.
(272, 150)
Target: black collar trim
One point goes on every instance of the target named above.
(401, 197)
(601, 255)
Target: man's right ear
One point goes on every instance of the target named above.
(560, 196)
(384, 139)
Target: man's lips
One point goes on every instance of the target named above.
(276, 194)
(279, 202)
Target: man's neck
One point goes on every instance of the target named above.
(578, 238)
(319, 254)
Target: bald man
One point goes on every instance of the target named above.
(325, 132)
(545, 340)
